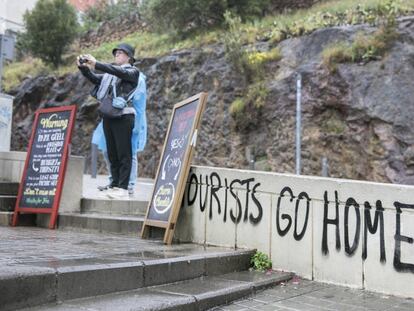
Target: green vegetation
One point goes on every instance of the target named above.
(185, 16)
(275, 28)
(260, 261)
(237, 106)
(246, 109)
(51, 27)
(249, 64)
(104, 11)
(366, 47)
(17, 72)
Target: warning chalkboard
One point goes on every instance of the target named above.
(45, 166)
(174, 166)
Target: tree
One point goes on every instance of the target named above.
(50, 28)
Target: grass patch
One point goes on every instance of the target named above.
(335, 54)
(365, 48)
(237, 106)
(15, 73)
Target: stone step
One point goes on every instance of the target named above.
(9, 188)
(114, 207)
(197, 294)
(24, 219)
(36, 283)
(7, 202)
(121, 224)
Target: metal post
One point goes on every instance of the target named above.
(325, 167)
(1, 59)
(94, 160)
(298, 122)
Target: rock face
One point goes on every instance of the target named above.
(361, 118)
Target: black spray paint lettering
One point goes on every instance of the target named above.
(373, 227)
(370, 226)
(350, 250)
(327, 221)
(398, 264)
(213, 185)
(373, 224)
(282, 232)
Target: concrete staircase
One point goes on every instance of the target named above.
(105, 215)
(8, 195)
(201, 293)
(100, 215)
(66, 270)
(159, 277)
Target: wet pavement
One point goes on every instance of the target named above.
(39, 247)
(305, 295)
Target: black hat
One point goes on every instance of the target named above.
(129, 50)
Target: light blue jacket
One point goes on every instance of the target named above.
(139, 133)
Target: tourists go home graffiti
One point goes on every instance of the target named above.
(236, 200)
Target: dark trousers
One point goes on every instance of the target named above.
(118, 134)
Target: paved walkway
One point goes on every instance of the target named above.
(143, 187)
(304, 295)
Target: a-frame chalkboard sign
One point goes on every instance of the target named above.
(44, 170)
(174, 166)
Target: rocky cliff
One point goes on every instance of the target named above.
(361, 117)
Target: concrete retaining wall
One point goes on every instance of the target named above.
(11, 170)
(354, 233)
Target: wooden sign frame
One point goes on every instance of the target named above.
(169, 225)
(53, 211)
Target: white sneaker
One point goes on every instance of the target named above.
(117, 194)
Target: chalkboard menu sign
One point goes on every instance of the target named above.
(174, 166)
(42, 180)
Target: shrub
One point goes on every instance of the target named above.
(234, 51)
(50, 28)
(249, 64)
(187, 15)
(256, 61)
(237, 106)
(260, 261)
(247, 110)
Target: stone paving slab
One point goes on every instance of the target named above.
(305, 295)
(196, 294)
(76, 264)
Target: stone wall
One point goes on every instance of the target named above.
(354, 233)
